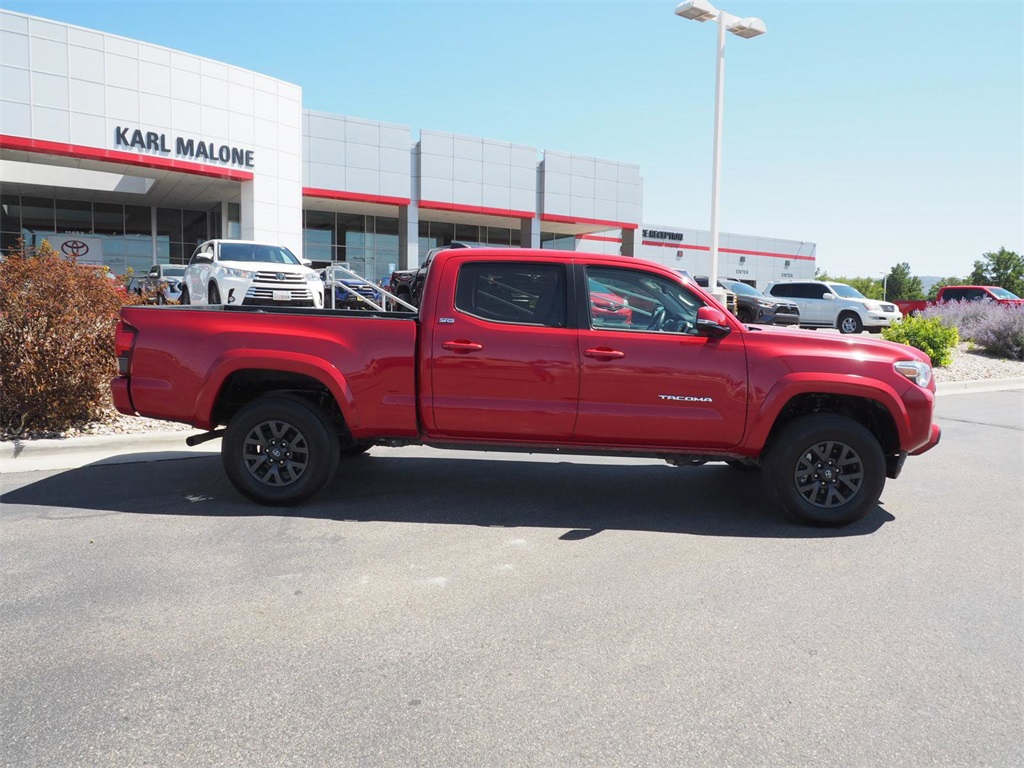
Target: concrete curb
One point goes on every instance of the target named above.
(981, 385)
(74, 452)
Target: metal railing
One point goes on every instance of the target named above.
(391, 299)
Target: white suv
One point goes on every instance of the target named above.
(242, 272)
(835, 305)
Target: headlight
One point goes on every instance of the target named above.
(872, 306)
(765, 304)
(312, 277)
(232, 272)
(918, 372)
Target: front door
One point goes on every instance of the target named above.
(648, 379)
(503, 358)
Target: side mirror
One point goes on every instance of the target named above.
(306, 262)
(711, 322)
(204, 258)
(829, 297)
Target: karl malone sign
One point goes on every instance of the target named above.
(151, 141)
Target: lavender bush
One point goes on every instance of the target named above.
(999, 328)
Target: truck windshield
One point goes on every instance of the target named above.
(1002, 293)
(846, 291)
(254, 252)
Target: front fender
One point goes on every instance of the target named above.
(232, 361)
(795, 384)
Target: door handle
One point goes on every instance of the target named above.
(462, 346)
(604, 353)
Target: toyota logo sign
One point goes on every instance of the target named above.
(74, 248)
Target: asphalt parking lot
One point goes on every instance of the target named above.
(456, 609)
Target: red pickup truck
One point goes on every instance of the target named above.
(961, 293)
(508, 353)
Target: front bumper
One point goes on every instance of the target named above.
(933, 440)
(881, 319)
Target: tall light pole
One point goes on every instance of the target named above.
(702, 10)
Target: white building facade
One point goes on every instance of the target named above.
(129, 154)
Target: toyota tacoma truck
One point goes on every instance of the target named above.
(507, 352)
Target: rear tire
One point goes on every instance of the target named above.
(279, 450)
(825, 470)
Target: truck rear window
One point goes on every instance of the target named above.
(532, 294)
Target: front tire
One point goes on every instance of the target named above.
(745, 316)
(825, 470)
(184, 296)
(849, 322)
(214, 295)
(279, 450)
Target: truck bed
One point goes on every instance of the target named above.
(179, 351)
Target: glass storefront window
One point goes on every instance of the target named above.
(74, 217)
(558, 241)
(108, 218)
(234, 221)
(502, 236)
(168, 224)
(194, 228)
(138, 220)
(36, 216)
(468, 233)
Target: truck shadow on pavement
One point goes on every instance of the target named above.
(582, 499)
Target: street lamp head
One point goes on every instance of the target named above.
(697, 10)
(750, 27)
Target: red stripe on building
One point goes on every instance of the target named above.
(555, 218)
(353, 197)
(681, 246)
(436, 205)
(128, 158)
(600, 238)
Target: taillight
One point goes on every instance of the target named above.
(123, 340)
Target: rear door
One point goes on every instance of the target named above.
(652, 381)
(503, 352)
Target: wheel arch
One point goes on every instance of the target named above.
(239, 377)
(877, 407)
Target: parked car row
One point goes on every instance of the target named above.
(247, 273)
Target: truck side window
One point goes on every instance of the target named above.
(531, 294)
(631, 300)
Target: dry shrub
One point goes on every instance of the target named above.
(57, 323)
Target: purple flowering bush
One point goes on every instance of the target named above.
(999, 328)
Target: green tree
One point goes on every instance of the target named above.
(1003, 268)
(933, 292)
(901, 285)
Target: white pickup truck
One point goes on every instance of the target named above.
(247, 273)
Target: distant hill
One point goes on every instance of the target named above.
(928, 281)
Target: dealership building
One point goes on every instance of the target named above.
(128, 154)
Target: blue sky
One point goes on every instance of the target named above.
(882, 131)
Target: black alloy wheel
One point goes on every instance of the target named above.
(825, 469)
(279, 450)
